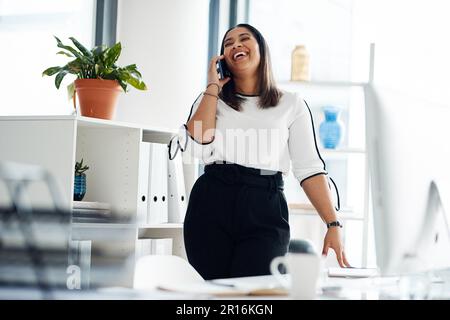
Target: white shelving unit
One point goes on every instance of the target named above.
(111, 149)
(317, 88)
(343, 151)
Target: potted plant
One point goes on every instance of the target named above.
(79, 189)
(99, 80)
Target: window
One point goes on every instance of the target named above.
(28, 48)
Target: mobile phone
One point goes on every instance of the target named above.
(222, 69)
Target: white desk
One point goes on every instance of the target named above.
(329, 288)
(374, 288)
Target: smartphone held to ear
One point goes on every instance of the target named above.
(222, 69)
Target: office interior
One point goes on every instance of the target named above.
(362, 54)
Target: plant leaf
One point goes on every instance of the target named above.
(111, 74)
(132, 68)
(51, 71)
(80, 47)
(60, 76)
(75, 66)
(99, 62)
(71, 90)
(136, 82)
(57, 40)
(123, 84)
(112, 54)
(70, 49)
(136, 74)
(132, 79)
(98, 50)
(65, 53)
(122, 74)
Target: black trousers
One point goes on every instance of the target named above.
(236, 221)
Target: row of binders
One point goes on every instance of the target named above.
(146, 247)
(161, 187)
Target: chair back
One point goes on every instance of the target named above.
(154, 270)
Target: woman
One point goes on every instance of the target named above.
(247, 132)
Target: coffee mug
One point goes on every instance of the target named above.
(304, 270)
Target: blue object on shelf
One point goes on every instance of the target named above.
(79, 189)
(330, 129)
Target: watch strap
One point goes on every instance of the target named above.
(334, 224)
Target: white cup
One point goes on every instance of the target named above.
(304, 270)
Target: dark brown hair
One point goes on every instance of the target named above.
(269, 94)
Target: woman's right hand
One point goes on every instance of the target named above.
(213, 75)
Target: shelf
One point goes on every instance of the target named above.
(341, 215)
(162, 226)
(92, 122)
(323, 83)
(95, 122)
(342, 151)
(37, 118)
(126, 225)
(97, 225)
(307, 209)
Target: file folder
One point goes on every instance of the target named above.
(142, 197)
(177, 191)
(162, 246)
(157, 209)
(143, 248)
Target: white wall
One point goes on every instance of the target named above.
(412, 50)
(168, 40)
(412, 45)
(324, 26)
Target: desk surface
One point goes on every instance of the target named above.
(376, 288)
(373, 288)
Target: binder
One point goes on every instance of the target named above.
(161, 246)
(142, 196)
(80, 257)
(157, 209)
(143, 248)
(85, 262)
(176, 191)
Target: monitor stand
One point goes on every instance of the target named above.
(431, 250)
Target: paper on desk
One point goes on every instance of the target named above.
(223, 290)
(352, 272)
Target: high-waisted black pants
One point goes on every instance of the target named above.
(236, 221)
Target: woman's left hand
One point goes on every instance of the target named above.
(333, 240)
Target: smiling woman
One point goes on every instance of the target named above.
(253, 61)
(248, 132)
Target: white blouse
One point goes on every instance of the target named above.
(269, 139)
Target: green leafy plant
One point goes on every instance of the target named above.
(97, 63)
(79, 168)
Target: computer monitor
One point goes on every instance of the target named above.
(408, 142)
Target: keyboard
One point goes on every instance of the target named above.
(352, 272)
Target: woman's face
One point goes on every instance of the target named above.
(241, 51)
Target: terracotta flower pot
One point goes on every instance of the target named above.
(97, 97)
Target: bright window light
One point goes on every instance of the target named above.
(28, 48)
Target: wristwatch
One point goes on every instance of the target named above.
(334, 224)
